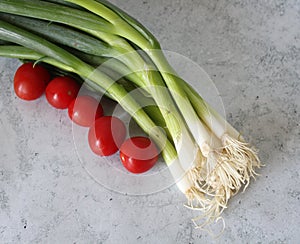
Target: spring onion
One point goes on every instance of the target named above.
(152, 81)
(237, 159)
(213, 158)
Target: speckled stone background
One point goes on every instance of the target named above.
(251, 49)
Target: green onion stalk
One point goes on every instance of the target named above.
(33, 47)
(120, 28)
(227, 170)
(104, 32)
(121, 49)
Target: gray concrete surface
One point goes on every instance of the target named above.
(251, 49)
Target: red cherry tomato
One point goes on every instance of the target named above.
(84, 110)
(30, 81)
(138, 154)
(61, 91)
(106, 135)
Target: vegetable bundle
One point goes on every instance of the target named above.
(208, 158)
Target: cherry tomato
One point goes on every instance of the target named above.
(106, 135)
(30, 81)
(61, 91)
(138, 154)
(83, 110)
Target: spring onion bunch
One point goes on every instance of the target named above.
(209, 159)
